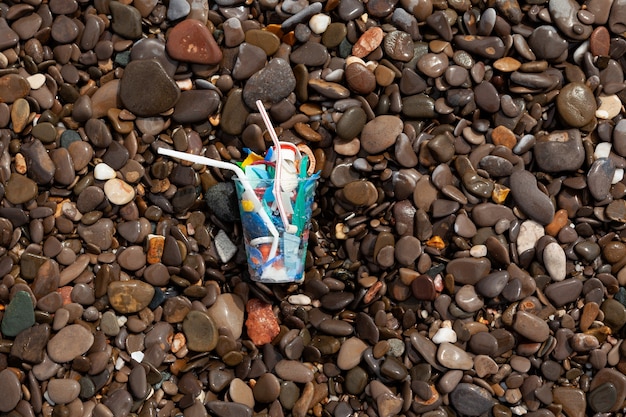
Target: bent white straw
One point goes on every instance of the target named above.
(289, 228)
(249, 193)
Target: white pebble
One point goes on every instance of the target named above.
(618, 176)
(118, 192)
(137, 356)
(299, 300)
(319, 23)
(335, 76)
(529, 233)
(579, 53)
(36, 81)
(603, 150)
(226, 249)
(610, 106)
(119, 363)
(103, 172)
(555, 261)
(478, 251)
(444, 334)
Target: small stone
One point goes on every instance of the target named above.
(191, 41)
(443, 335)
(531, 326)
(130, 296)
(228, 311)
(261, 325)
(70, 342)
(11, 390)
(119, 192)
(555, 261)
(103, 172)
(63, 391)
(350, 353)
(453, 357)
(225, 248)
(294, 371)
(200, 331)
(471, 400)
(19, 314)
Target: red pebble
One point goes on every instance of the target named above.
(191, 41)
(262, 325)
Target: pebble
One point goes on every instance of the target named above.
(261, 324)
(63, 391)
(228, 312)
(294, 371)
(531, 326)
(453, 357)
(200, 331)
(71, 341)
(12, 392)
(147, 102)
(19, 314)
(555, 261)
(470, 399)
(372, 133)
(530, 199)
(191, 41)
(350, 353)
(130, 296)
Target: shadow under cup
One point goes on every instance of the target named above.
(287, 264)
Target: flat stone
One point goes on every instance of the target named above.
(11, 390)
(468, 271)
(228, 311)
(554, 260)
(529, 198)
(271, 84)
(20, 189)
(561, 293)
(295, 371)
(559, 151)
(572, 399)
(380, 133)
(531, 326)
(18, 315)
(453, 357)
(130, 296)
(70, 342)
(30, 344)
(350, 353)
(471, 400)
(614, 377)
(63, 391)
(200, 331)
(151, 99)
(126, 20)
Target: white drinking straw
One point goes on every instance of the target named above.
(289, 228)
(249, 193)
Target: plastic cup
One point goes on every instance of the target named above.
(287, 265)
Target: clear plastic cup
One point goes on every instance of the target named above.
(287, 263)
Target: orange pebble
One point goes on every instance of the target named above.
(436, 242)
(559, 221)
(502, 135)
(368, 41)
(66, 294)
(155, 248)
(261, 325)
